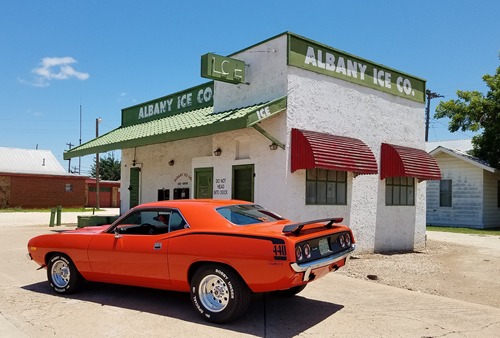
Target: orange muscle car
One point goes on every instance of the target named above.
(221, 251)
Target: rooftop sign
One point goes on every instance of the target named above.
(189, 99)
(222, 68)
(325, 60)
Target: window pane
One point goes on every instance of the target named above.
(321, 193)
(311, 174)
(341, 176)
(342, 193)
(445, 193)
(411, 195)
(396, 180)
(404, 192)
(388, 195)
(444, 185)
(396, 195)
(321, 175)
(331, 193)
(311, 192)
(332, 175)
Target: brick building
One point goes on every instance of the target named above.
(35, 179)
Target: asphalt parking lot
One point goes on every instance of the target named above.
(334, 306)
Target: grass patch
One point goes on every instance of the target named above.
(47, 210)
(493, 231)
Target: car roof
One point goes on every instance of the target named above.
(196, 211)
(192, 203)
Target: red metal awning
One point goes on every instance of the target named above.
(310, 149)
(399, 161)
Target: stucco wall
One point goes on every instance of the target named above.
(266, 73)
(328, 105)
(156, 173)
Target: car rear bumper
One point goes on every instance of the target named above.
(323, 262)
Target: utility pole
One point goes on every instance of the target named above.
(97, 120)
(80, 143)
(69, 161)
(430, 96)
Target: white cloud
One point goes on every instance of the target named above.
(56, 68)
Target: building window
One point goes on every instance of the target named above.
(68, 187)
(163, 194)
(326, 187)
(400, 191)
(445, 193)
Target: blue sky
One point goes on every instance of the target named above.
(106, 55)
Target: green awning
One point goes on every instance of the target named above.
(190, 124)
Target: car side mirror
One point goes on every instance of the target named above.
(117, 233)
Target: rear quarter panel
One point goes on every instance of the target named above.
(261, 261)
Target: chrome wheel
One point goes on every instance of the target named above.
(60, 273)
(214, 293)
(218, 293)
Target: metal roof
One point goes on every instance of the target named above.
(190, 124)
(312, 149)
(465, 157)
(29, 161)
(399, 161)
(461, 145)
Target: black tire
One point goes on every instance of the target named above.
(290, 292)
(62, 274)
(219, 294)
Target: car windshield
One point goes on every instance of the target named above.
(247, 214)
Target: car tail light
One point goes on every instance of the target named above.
(307, 251)
(348, 239)
(342, 241)
(298, 253)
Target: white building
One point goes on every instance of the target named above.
(302, 128)
(468, 195)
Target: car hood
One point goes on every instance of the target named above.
(91, 229)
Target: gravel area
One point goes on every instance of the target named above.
(463, 272)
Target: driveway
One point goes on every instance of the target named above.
(334, 306)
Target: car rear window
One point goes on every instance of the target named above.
(246, 214)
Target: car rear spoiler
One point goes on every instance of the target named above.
(297, 227)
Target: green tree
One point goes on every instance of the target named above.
(109, 168)
(475, 111)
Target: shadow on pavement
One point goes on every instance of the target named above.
(274, 316)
